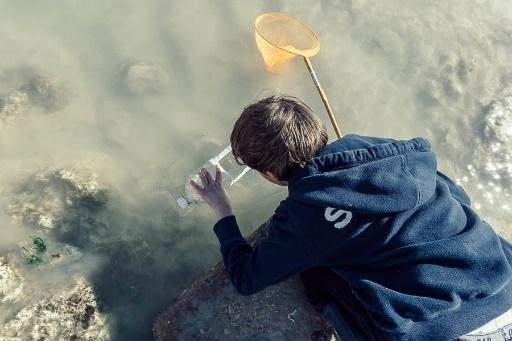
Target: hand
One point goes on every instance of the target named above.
(213, 192)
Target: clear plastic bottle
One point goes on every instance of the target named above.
(231, 173)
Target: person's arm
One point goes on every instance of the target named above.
(276, 257)
(280, 255)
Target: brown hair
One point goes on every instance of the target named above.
(277, 134)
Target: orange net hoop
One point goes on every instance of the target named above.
(281, 37)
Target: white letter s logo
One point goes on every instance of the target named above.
(332, 214)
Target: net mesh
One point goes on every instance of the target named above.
(281, 37)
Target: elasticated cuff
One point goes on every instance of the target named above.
(227, 230)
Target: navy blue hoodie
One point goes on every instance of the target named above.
(403, 235)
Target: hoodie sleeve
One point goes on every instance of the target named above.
(278, 256)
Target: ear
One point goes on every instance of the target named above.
(271, 175)
(274, 179)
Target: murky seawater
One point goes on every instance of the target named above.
(108, 105)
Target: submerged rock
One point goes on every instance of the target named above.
(66, 200)
(49, 193)
(495, 158)
(45, 93)
(445, 82)
(499, 120)
(65, 205)
(489, 166)
(36, 306)
(11, 282)
(143, 78)
(69, 313)
(38, 92)
(82, 189)
(13, 105)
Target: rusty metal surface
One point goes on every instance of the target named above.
(211, 309)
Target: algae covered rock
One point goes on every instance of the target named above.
(37, 305)
(64, 207)
(53, 255)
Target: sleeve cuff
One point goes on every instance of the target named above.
(227, 229)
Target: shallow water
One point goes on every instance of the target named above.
(438, 69)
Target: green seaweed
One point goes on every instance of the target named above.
(31, 258)
(39, 243)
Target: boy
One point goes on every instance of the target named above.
(371, 225)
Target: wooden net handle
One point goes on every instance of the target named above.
(324, 97)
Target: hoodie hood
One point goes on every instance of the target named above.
(367, 175)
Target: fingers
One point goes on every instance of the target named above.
(203, 177)
(218, 174)
(198, 188)
(208, 176)
(206, 179)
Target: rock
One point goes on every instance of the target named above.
(445, 83)
(13, 105)
(211, 309)
(431, 92)
(11, 282)
(495, 156)
(489, 166)
(45, 93)
(40, 92)
(499, 120)
(142, 78)
(39, 206)
(82, 189)
(69, 313)
(64, 204)
(465, 68)
(66, 200)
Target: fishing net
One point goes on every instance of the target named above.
(281, 37)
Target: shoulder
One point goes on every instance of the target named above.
(303, 215)
(316, 220)
(290, 210)
(290, 215)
